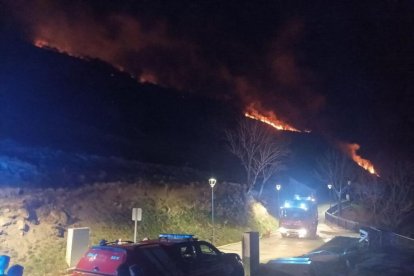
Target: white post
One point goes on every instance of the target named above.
(135, 231)
(250, 253)
(136, 216)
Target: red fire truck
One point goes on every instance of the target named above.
(299, 217)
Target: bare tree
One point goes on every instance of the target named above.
(337, 169)
(369, 193)
(259, 149)
(397, 200)
(389, 198)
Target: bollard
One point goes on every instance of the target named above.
(250, 252)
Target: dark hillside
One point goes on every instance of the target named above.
(52, 100)
(87, 108)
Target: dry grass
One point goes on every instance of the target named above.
(106, 209)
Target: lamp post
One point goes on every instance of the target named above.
(348, 194)
(212, 182)
(330, 200)
(278, 187)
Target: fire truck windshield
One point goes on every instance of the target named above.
(293, 213)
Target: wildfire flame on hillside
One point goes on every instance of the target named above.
(351, 150)
(40, 43)
(44, 44)
(269, 118)
(145, 77)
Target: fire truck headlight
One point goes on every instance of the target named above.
(283, 230)
(302, 232)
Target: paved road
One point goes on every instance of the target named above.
(277, 247)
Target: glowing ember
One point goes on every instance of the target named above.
(269, 118)
(351, 150)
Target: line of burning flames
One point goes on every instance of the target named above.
(144, 77)
(44, 44)
(272, 120)
(351, 151)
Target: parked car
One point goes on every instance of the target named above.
(170, 254)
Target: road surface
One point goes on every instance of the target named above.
(277, 247)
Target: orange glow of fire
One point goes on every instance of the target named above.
(45, 44)
(351, 150)
(40, 43)
(145, 77)
(268, 118)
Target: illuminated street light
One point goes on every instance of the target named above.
(212, 182)
(348, 194)
(278, 187)
(330, 200)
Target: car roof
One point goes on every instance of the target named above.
(130, 246)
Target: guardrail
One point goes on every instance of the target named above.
(331, 217)
(402, 241)
(374, 236)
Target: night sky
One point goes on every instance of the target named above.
(343, 69)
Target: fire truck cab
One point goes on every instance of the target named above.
(299, 217)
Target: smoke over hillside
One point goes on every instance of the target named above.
(248, 54)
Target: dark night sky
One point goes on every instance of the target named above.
(344, 69)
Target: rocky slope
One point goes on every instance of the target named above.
(34, 222)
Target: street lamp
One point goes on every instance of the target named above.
(278, 187)
(348, 194)
(212, 182)
(330, 200)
